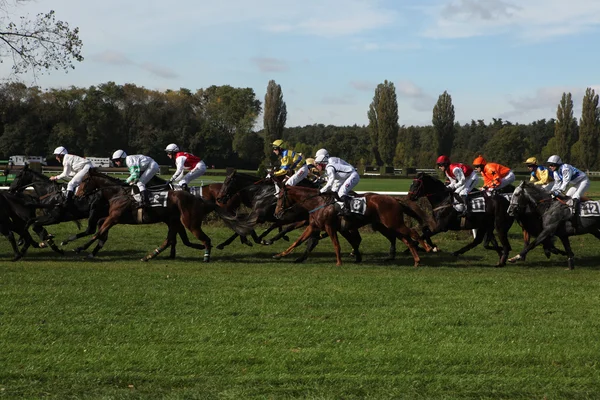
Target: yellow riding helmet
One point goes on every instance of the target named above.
(531, 161)
(277, 143)
(310, 161)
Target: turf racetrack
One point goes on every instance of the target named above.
(246, 326)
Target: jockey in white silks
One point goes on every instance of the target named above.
(567, 175)
(184, 161)
(141, 169)
(340, 174)
(74, 167)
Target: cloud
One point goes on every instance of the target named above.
(117, 58)
(546, 99)
(268, 64)
(531, 20)
(363, 86)
(343, 100)
(421, 101)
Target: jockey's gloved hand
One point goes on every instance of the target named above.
(555, 193)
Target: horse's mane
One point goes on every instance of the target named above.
(537, 190)
(428, 178)
(95, 172)
(35, 173)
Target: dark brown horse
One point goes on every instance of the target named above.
(180, 209)
(384, 213)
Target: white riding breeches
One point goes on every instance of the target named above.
(348, 184)
(147, 175)
(77, 178)
(300, 174)
(578, 188)
(198, 170)
(470, 183)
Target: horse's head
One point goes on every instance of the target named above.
(283, 201)
(417, 188)
(525, 195)
(226, 189)
(26, 176)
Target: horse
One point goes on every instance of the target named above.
(556, 216)
(180, 209)
(259, 195)
(492, 215)
(383, 213)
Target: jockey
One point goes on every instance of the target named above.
(495, 176)
(339, 173)
(539, 173)
(74, 167)
(313, 173)
(290, 162)
(141, 168)
(567, 175)
(462, 179)
(183, 161)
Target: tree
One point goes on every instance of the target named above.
(383, 123)
(508, 145)
(565, 130)
(443, 123)
(589, 129)
(39, 44)
(275, 116)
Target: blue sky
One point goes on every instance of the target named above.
(508, 59)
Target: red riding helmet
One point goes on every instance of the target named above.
(443, 160)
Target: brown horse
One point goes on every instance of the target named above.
(180, 209)
(384, 213)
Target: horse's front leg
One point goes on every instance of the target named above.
(336, 243)
(546, 233)
(305, 235)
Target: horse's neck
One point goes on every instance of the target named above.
(308, 198)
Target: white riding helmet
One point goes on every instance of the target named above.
(60, 151)
(117, 155)
(172, 148)
(322, 152)
(322, 159)
(554, 159)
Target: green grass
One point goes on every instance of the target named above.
(246, 326)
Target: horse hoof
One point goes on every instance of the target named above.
(299, 260)
(514, 259)
(20, 242)
(249, 244)
(77, 250)
(287, 239)
(266, 242)
(435, 249)
(571, 263)
(17, 257)
(64, 243)
(206, 259)
(43, 245)
(90, 257)
(220, 247)
(455, 254)
(277, 256)
(144, 259)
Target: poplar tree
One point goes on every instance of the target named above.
(275, 116)
(383, 123)
(565, 130)
(443, 124)
(589, 129)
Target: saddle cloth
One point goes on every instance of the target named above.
(477, 203)
(157, 198)
(358, 205)
(589, 209)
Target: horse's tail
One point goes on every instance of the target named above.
(411, 209)
(242, 227)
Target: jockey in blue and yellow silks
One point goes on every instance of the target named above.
(539, 174)
(290, 160)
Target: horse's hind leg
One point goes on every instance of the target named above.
(311, 243)
(478, 239)
(284, 232)
(11, 238)
(353, 237)
(186, 240)
(171, 240)
(227, 242)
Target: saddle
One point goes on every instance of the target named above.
(157, 196)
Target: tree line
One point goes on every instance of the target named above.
(218, 123)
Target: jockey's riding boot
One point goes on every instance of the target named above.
(68, 202)
(467, 204)
(145, 198)
(576, 210)
(184, 186)
(345, 210)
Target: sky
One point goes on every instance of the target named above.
(508, 59)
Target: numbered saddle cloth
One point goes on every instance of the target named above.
(358, 205)
(477, 203)
(157, 198)
(589, 209)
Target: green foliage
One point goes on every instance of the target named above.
(383, 123)
(565, 128)
(507, 146)
(443, 123)
(275, 117)
(589, 130)
(39, 44)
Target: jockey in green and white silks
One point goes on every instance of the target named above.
(141, 169)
